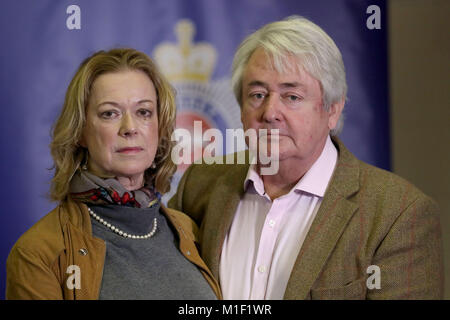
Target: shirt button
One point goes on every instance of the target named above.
(271, 223)
(262, 269)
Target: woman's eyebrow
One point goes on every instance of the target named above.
(145, 101)
(115, 104)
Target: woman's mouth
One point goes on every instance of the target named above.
(130, 150)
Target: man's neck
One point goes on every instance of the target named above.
(281, 183)
(290, 171)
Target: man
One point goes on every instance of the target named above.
(326, 225)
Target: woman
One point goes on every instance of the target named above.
(109, 237)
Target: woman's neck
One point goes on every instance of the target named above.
(132, 183)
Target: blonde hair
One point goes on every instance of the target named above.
(67, 130)
(312, 47)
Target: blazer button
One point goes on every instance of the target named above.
(83, 251)
(188, 253)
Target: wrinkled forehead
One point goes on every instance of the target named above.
(281, 69)
(281, 62)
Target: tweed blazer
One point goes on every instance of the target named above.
(368, 217)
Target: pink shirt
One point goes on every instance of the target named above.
(265, 237)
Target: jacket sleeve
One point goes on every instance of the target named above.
(28, 277)
(410, 257)
(176, 202)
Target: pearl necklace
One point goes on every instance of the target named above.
(120, 232)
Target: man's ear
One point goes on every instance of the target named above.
(335, 113)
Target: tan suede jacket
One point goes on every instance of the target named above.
(40, 265)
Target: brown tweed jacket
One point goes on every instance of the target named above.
(368, 217)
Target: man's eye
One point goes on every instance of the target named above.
(257, 95)
(291, 98)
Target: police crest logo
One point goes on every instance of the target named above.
(189, 67)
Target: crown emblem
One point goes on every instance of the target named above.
(186, 61)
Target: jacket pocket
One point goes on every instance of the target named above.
(356, 290)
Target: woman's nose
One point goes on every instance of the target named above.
(128, 126)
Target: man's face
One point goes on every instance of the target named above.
(290, 102)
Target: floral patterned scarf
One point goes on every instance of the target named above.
(89, 188)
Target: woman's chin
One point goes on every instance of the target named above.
(129, 172)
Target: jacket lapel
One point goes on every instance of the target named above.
(331, 219)
(220, 211)
(82, 250)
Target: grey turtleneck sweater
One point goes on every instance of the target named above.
(150, 268)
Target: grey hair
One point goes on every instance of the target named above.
(313, 48)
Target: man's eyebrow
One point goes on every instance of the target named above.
(294, 84)
(257, 83)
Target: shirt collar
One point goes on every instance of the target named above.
(314, 181)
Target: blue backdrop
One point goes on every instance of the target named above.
(39, 55)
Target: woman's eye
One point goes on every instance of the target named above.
(108, 114)
(145, 113)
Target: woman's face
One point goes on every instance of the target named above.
(121, 130)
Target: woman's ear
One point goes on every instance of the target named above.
(82, 142)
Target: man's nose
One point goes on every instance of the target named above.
(127, 126)
(271, 111)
